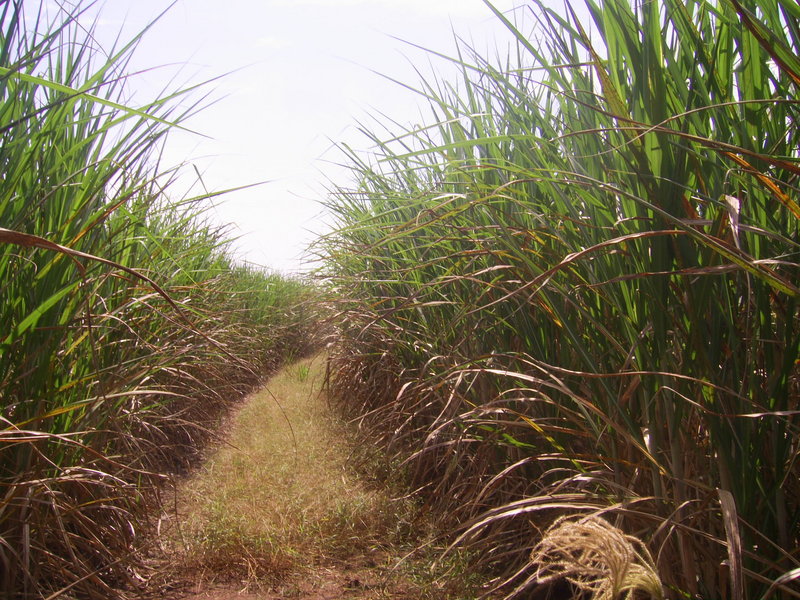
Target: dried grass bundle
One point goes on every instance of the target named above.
(596, 557)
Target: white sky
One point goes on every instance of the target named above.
(303, 78)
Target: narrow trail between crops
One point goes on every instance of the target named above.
(284, 507)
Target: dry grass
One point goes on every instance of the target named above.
(285, 495)
(597, 558)
(280, 487)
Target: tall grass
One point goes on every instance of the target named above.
(575, 289)
(125, 325)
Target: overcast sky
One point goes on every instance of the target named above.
(302, 73)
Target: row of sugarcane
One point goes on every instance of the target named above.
(126, 325)
(574, 291)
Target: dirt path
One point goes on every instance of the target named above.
(331, 582)
(285, 508)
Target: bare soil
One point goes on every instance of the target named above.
(334, 581)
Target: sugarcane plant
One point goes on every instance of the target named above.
(125, 324)
(575, 289)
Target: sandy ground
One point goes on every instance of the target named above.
(331, 582)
